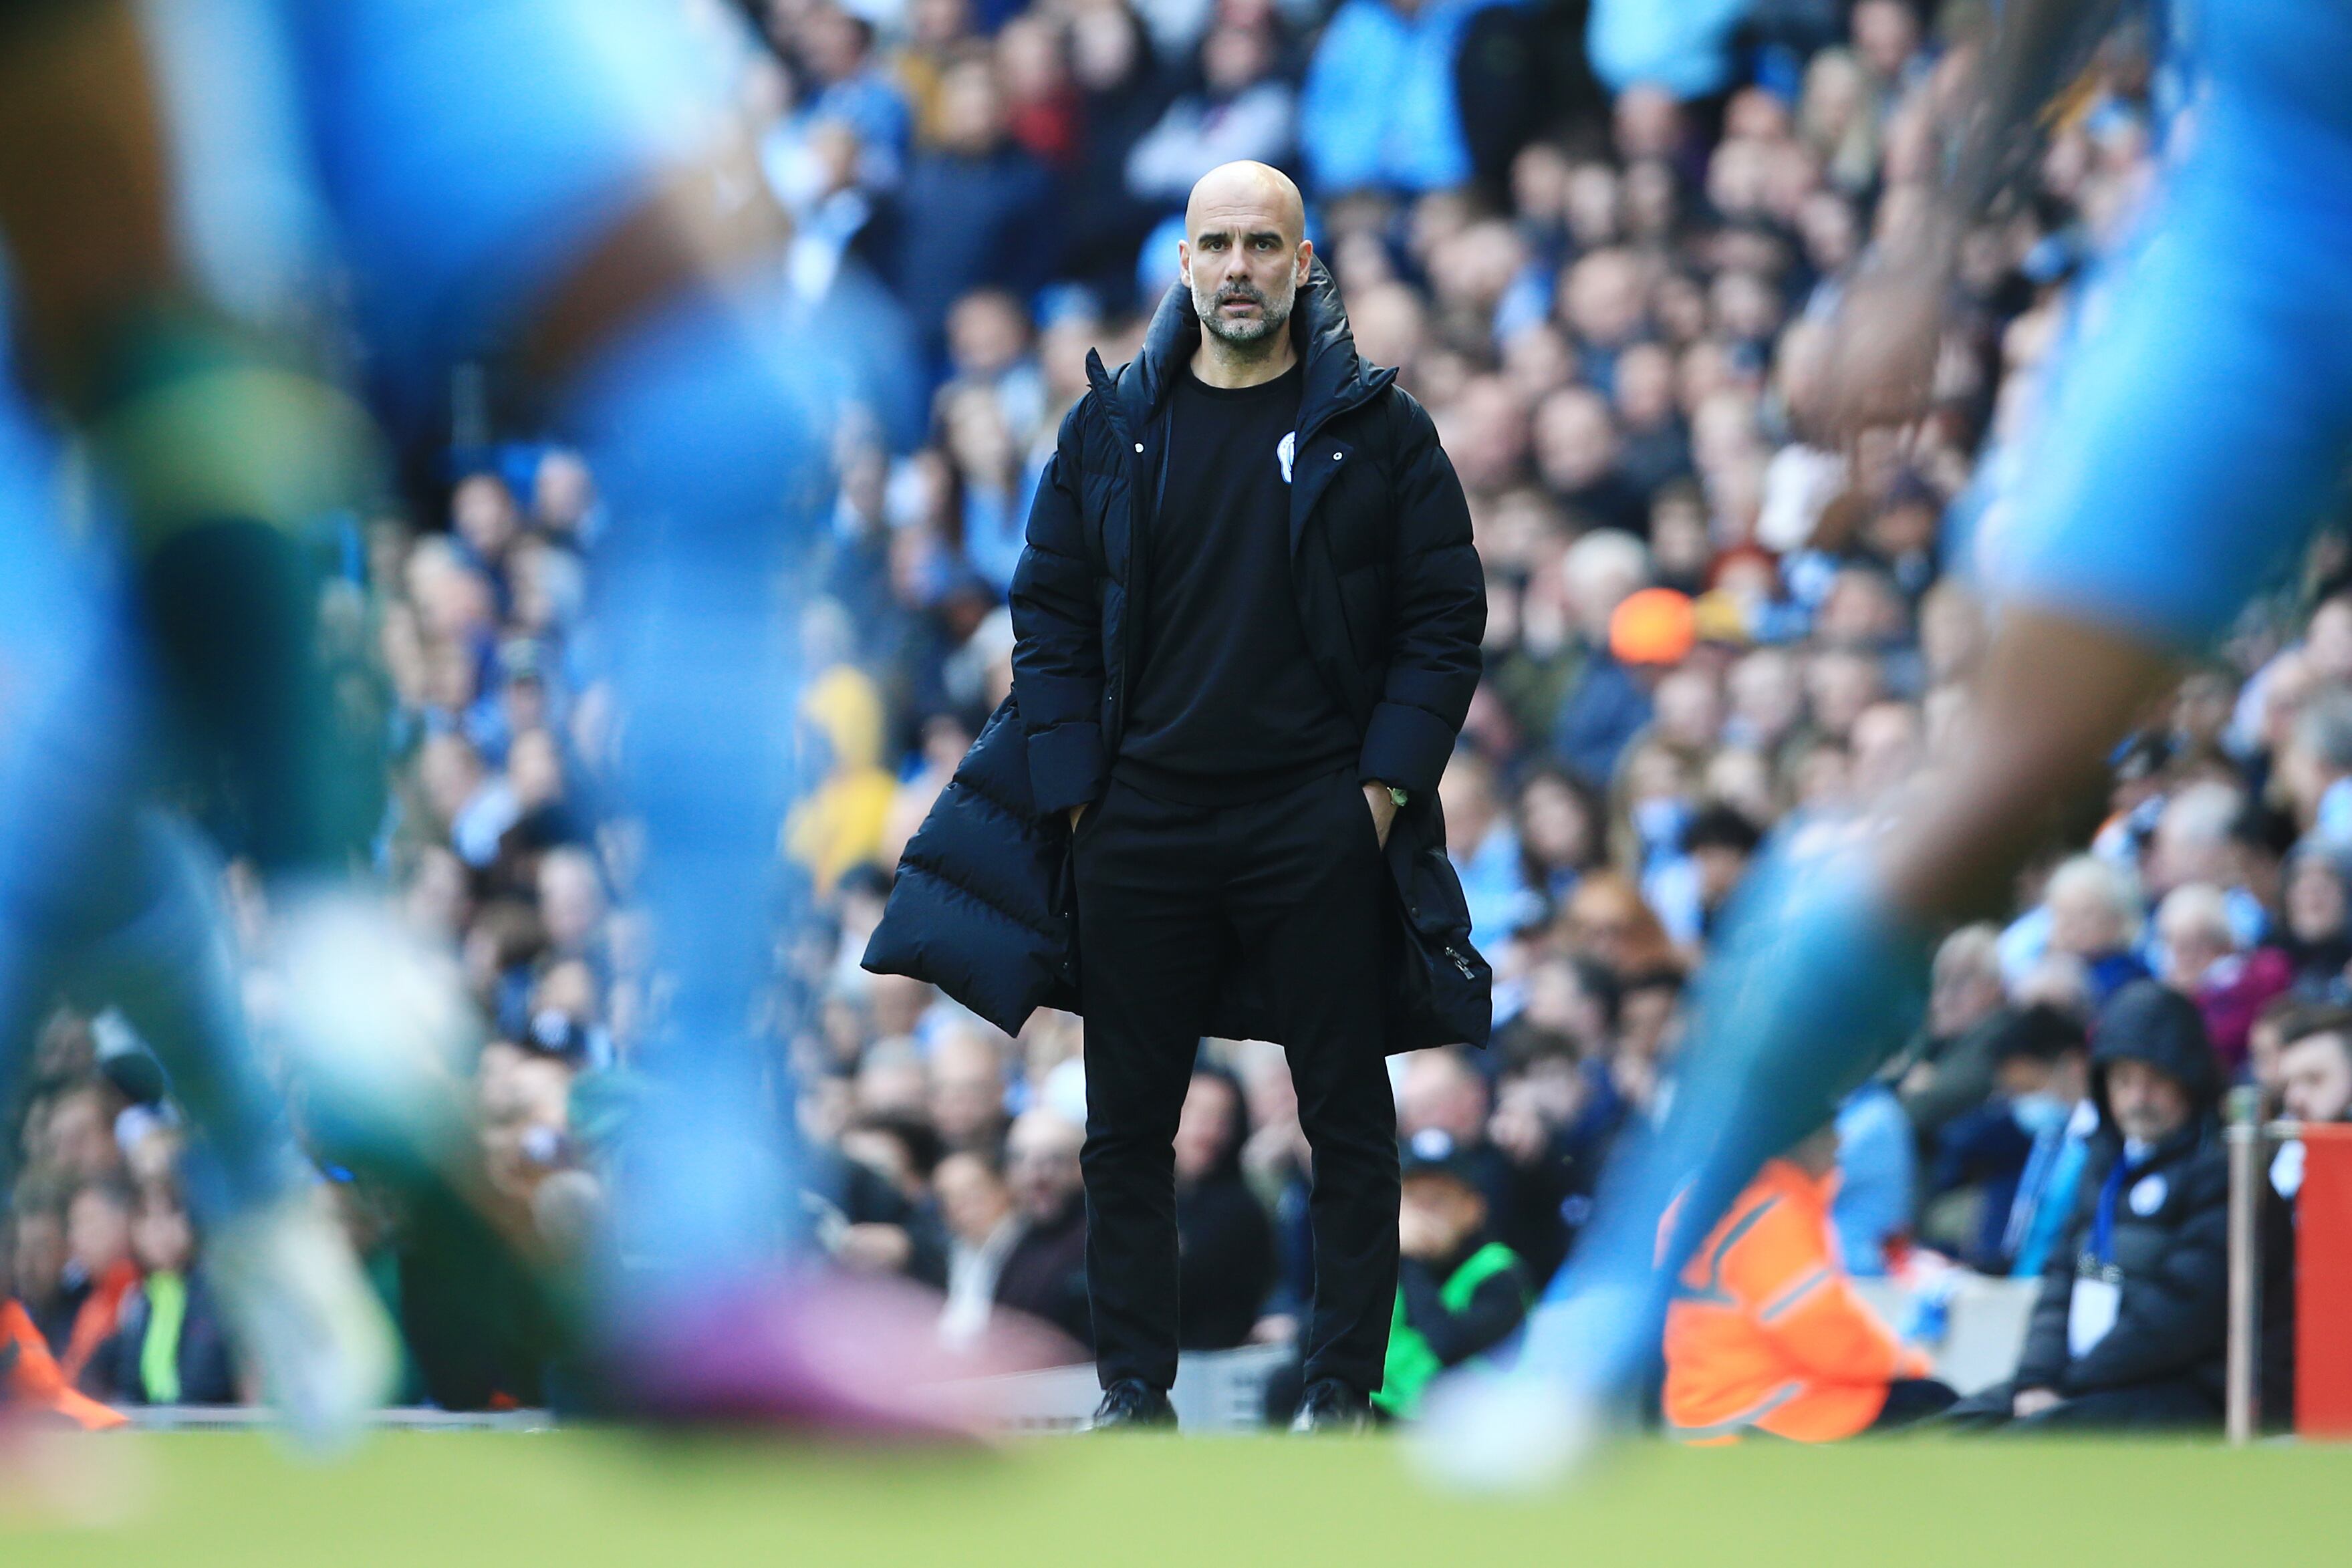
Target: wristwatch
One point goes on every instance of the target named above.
(1400, 796)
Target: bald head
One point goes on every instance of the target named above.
(1243, 255)
(1247, 190)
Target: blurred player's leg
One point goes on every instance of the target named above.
(85, 204)
(568, 214)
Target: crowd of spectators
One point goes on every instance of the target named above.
(1605, 270)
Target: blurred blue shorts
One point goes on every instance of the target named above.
(468, 152)
(2202, 419)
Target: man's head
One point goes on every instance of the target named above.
(1440, 1208)
(1212, 1125)
(2149, 1104)
(2318, 895)
(161, 1239)
(2193, 924)
(1442, 1093)
(36, 1248)
(2314, 1071)
(2093, 909)
(1041, 1159)
(967, 1096)
(1966, 987)
(1576, 438)
(973, 1197)
(2040, 1054)
(1768, 695)
(80, 1132)
(2191, 842)
(1721, 842)
(1244, 254)
(971, 108)
(98, 1225)
(571, 898)
(1600, 572)
(2153, 1064)
(2318, 753)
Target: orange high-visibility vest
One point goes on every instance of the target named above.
(1765, 1331)
(29, 1375)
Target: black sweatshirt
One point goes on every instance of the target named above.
(1228, 707)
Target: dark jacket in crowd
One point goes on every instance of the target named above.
(1963, 1073)
(2168, 1246)
(1605, 706)
(1044, 1274)
(966, 222)
(1393, 601)
(202, 1365)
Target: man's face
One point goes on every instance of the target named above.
(1963, 993)
(2315, 1077)
(38, 1255)
(1721, 867)
(1441, 1211)
(97, 1231)
(161, 1238)
(1207, 1125)
(1041, 1162)
(1244, 260)
(80, 1141)
(2149, 1104)
(971, 1198)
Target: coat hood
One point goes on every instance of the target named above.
(2149, 1022)
(1337, 378)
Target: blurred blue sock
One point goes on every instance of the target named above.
(168, 967)
(1817, 979)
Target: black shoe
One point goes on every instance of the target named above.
(1132, 1403)
(1331, 1406)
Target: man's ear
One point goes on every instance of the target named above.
(1184, 263)
(1305, 260)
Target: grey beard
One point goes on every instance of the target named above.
(1260, 334)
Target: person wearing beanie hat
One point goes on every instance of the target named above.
(2130, 1328)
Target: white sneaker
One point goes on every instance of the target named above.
(1505, 1432)
(305, 1318)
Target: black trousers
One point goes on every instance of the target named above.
(1911, 1400)
(2167, 1403)
(1168, 897)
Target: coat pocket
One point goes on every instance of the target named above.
(1446, 987)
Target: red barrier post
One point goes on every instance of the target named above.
(2323, 1291)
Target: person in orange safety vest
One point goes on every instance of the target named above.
(30, 1381)
(1766, 1332)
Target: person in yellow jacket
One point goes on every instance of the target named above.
(840, 824)
(1766, 1332)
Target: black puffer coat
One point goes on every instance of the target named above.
(2170, 1240)
(1393, 600)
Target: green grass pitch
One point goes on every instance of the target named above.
(555, 1500)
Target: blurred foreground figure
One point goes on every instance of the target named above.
(568, 224)
(111, 901)
(2196, 432)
